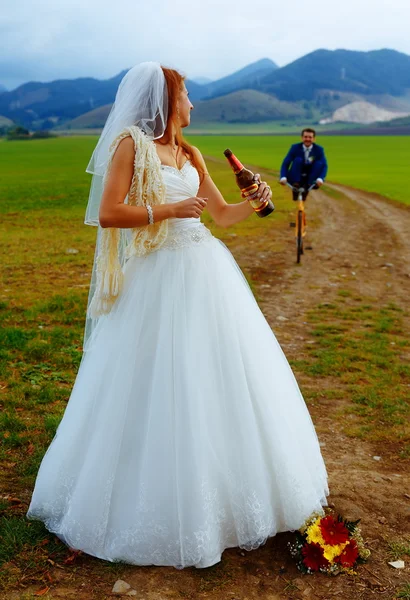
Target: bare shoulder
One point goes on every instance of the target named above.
(197, 152)
(125, 151)
(198, 155)
(127, 144)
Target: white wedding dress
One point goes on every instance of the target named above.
(185, 432)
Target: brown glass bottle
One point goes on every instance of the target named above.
(248, 186)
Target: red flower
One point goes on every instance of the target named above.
(333, 532)
(349, 555)
(313, 557)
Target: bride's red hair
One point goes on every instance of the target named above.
(175, 82)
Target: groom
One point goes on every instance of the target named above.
(304, 164)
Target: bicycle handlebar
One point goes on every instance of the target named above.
(300, 189)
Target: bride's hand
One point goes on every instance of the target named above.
(192, 207)
(264, 191)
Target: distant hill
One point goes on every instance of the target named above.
(202, 80)
(5, 122)
(42, 105)
(401, 122)
(245, 106)
(242, 79)
(245, 78)
(375, 72)
(2, 88)
(94, 119)
(196, 91)
(362, 112)
(39, 105)
(393, 103)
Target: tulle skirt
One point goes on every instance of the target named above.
(185, 432)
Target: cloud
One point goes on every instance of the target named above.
(70, 38)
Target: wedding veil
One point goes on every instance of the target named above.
(141, 100)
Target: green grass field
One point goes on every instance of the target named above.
(265, 128)
(377, 164)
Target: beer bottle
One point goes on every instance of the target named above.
(248, 186)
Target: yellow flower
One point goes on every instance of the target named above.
(314, 535)
(330, 552)
(312, 519)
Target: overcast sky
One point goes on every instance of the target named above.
(42, 40)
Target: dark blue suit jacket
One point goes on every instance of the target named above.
(319, 163)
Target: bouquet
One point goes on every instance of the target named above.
(330, 544)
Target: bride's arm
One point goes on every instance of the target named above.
(222, 213)
(113, 211)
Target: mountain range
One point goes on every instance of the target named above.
(249, 76)
(312, 88)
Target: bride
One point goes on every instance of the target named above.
(185, 432)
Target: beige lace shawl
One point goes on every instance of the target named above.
(147, 187)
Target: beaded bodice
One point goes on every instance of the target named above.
(181, 184)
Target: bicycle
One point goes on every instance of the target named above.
(300, 217)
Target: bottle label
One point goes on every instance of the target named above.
(257, 205)
(250, 190)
